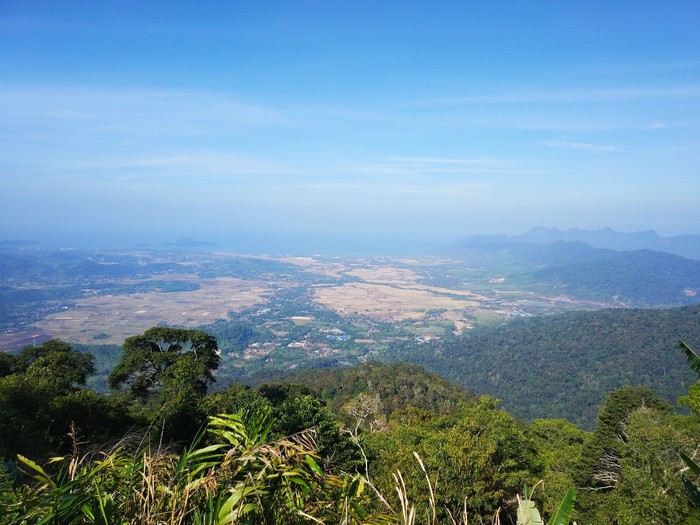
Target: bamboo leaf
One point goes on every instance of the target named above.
(312, 464)
(87, 511)
(227, 509)
(205, 451)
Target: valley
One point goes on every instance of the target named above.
(199, 289)
(480, 315)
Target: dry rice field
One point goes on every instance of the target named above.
(380, 289)
(115, 317)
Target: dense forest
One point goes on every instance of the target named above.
(378, 443)
(563, 366)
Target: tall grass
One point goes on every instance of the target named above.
(232, 474)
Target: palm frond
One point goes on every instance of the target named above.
(691, 356)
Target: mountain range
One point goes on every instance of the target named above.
(618, 269)
(684, 245)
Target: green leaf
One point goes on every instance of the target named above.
(87, 511)
(692, 490)
(694, 467)
(691, 356)
(312, 465)
(226, 512)
(40, 474)
(566, 507)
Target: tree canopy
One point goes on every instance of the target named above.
(165, 357)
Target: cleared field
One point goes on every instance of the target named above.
(387, 289)
(393, 293)
(110, 319)
(385, 275)
(387, 302)
(311, 265)
(301, 319)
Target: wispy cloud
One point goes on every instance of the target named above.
(134, 108)
(566, 96)
(427, 166)
(479, 161)
(659, 67)
(210, 165)
(577, 146)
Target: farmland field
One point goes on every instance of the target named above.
(291, 308)
(112, 318)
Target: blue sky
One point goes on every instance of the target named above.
(413, 120)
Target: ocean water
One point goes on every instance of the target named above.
(306, 245)
(252, 243)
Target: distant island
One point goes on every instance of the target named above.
(19, 243)
(189, 243)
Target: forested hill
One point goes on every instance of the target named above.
(641, 278)
(563, 366)
(397, 385)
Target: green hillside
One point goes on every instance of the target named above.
(563, 366)
(641, 278)
(398, 385)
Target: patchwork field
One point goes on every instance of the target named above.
(109, 319)
(379, 289)
(388, 302)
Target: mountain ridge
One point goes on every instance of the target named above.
(687, 245)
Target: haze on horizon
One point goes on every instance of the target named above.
(427, 121)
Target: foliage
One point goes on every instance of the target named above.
(559, 445)
(692, 398)
(629, 465)
(479, 455)
(529, 515)
(396, 384)
(167, 357)
(693, 358)
(40, 401)
(693, 471)
(242, 477)
(649, 488)
(293, 408)
(429, 454)
(55, 361)
(693, 401)
(599, 464)
(642, 278)
(563, 366)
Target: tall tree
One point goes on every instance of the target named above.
(649, 489)
(600, 464)
(41, 401)
(167, 358)
(56, 362)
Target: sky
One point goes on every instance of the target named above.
(146, 120)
